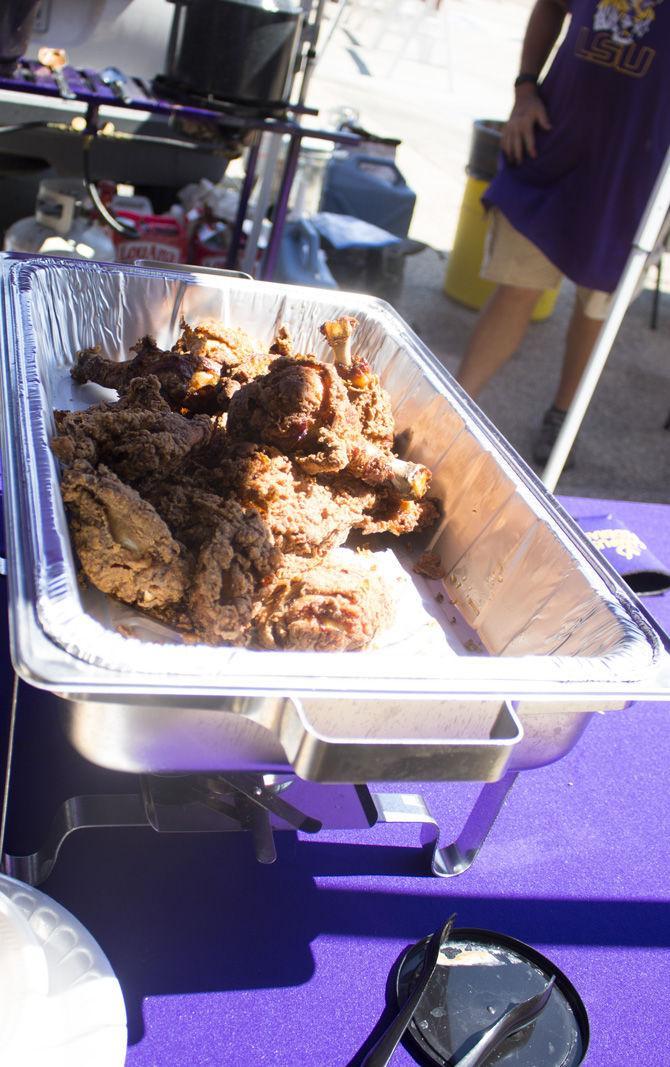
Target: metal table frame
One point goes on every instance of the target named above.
(85, 87)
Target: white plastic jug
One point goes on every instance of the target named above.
(301, 259)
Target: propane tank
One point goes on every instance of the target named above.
(62, 224)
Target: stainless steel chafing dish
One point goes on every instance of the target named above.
(533, 635)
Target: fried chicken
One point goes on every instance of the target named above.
(191, 513)
(230, 568)
(124, 547)
(225, 359)
(283, 343)
(371, 401)
(225, 532)
(336, 607)
(305, 518)
(338, 334)
(302, 407)
(174, 371)
(199, 374)
(430, 566)
(381, 511)
(134, 437)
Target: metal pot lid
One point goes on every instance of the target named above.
(479, 974)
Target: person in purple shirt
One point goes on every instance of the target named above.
(581, 152)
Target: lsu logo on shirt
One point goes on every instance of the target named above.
(625, 20)
(618, 25)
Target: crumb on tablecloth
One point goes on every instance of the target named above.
(429, 565)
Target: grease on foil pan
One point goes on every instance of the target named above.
(523, 590)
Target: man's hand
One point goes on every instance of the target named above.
(518, 135)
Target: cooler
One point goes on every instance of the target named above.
(369, 188)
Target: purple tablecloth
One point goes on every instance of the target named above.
(225, 962)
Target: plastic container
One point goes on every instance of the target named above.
(462, 281)
(301, 260)
(139, 204)
(307, 189)
(370, 188)
(209, 245)
(484, 149)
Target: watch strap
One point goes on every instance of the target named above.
(524, 78)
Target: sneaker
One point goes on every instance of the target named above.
(545, 438)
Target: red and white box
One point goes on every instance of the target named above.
(159, 237)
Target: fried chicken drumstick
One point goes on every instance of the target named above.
(302, 407)
(365, 391)
(229, 571)
(199, 373)
(308, 516)
(135, 436)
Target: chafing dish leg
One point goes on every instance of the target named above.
(258, 823)
(77, 813)
(224, 802)
(456, 858)
(166, 803)
(244, 802)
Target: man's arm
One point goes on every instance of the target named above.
(544, 26)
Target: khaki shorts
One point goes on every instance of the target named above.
(511, 259)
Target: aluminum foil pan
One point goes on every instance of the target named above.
(527, 614)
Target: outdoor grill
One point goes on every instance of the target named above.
(494, 670)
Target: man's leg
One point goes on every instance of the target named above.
(582, 336)
(498, 333)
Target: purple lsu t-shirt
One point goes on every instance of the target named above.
(608, 98)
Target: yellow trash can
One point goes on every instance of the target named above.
(462, 281)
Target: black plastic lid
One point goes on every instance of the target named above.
(478, 975)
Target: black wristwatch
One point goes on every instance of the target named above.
(523, 79)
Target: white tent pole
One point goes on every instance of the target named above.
(643, 245)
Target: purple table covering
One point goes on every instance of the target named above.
(226, 962)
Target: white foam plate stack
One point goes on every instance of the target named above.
(60, 1003)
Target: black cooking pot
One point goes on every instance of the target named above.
(16, 25)
(243, 51)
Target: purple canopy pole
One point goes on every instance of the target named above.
(281, 207)
(249, 175)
